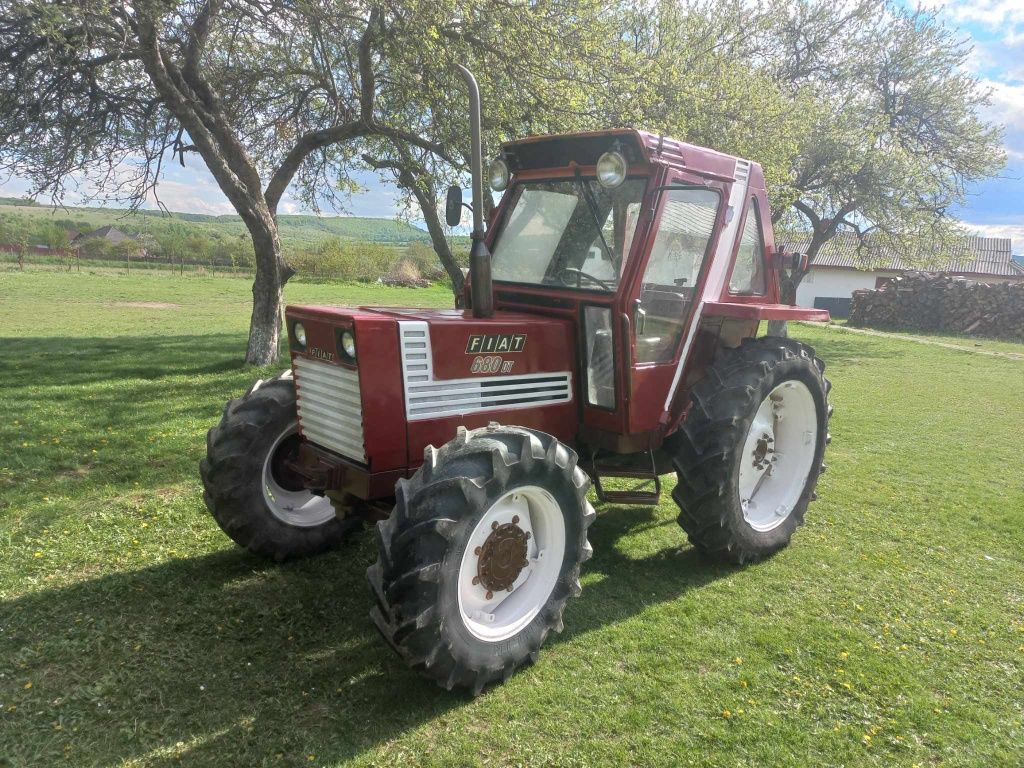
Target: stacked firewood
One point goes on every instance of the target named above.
(925, 301)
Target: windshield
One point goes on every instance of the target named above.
(554, 236)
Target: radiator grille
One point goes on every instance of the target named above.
(330, 409)
(426, 398)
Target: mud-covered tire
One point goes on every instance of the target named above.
(233, 477)
(709, 446)
(416, 579)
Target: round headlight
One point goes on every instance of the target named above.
(348, 344)
(499, 174)
(611, 169)
(300, 333)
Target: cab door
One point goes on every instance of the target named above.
(666, 289)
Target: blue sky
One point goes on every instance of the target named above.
(996, 27)
(995, 207)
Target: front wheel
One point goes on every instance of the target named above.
(749, 454)
(250, 490)
(480, 554)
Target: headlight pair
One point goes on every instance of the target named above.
(347, 340)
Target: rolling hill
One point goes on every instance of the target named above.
(298, 233)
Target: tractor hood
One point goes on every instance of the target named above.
(419, 374)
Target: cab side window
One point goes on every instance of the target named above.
(678, 252)
(748, 273)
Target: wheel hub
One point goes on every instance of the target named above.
(502, 557)
(763, 451)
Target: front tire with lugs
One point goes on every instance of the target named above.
(749, 453)
(248, 487)
(480, 554)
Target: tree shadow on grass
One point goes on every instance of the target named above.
(110, 412)
(223, 659)
(70, 361)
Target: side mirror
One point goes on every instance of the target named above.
(790, 261)
(453, 206)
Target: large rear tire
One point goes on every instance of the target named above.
(750, 452)
(480, 554)
(248, 488)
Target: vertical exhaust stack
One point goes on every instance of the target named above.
(479, 257)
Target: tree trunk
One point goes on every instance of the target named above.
(428, 207)
(267, 288)
(788, 283)
(441, 247)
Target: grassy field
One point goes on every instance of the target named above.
(296, 231)
(132, 632)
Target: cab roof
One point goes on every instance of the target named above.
(558, 150)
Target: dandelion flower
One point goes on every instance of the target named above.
(28, 685)
(726, 714)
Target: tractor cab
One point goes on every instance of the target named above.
(659, 252)
(609, 329)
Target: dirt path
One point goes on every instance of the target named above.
(925, 340)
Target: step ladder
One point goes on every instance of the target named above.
(647, 492)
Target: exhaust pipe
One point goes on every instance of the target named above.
(479, 257)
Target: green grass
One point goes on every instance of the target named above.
(969, 342)
(132, 632)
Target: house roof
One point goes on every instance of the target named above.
(108, 232)
(988, 256)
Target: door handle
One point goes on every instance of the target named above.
(640, 320)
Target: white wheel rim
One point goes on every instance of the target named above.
(507, 613)
(303, 509)
(778, 453)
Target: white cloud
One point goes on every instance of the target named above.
(1003, 16)
(1007, 103)
(191, 197)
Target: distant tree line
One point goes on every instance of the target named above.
(332, 258)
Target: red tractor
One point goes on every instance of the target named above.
(615, 301)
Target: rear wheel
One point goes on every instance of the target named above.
(749, 454)
(250, 490)
(480, 554)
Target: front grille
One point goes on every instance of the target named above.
(330, 409)
(428, 398)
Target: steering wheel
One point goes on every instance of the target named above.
(580, 273)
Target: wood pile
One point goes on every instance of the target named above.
(927, 301)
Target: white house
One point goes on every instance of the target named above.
(841, 268)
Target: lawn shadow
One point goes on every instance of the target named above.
(282, 661)
(632, 584)
(73, 361)
(98, 412)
